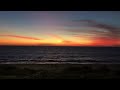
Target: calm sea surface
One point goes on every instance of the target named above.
(70, 55)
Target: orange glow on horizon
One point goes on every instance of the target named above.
(58, 41)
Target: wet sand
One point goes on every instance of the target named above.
(59, 71)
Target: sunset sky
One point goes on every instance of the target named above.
(60, 28)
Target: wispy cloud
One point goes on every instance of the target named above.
(110, 34)
(54, 36)
(96, 24)
(101, 28)
(100, 33)
(109, 30)
(17, 36)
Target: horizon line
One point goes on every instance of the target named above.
(53, 46)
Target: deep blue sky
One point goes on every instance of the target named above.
(26, 17)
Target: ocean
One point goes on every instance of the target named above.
(58, 55)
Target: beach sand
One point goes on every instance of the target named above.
(59, 71)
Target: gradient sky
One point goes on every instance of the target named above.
(61, 28)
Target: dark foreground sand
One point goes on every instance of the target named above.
(59, 71)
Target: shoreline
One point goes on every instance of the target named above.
(57, 62)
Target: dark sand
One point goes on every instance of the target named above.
(59, 71)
